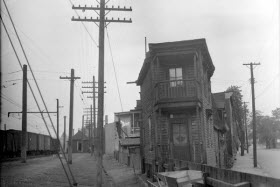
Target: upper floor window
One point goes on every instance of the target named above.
(175, 77)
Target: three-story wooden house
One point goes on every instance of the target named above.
(175, 82)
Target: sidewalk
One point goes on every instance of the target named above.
(245, 164)
(120, 174)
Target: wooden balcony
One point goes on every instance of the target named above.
(177, 93)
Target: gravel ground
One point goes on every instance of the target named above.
(47, 171)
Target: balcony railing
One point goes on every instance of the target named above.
(177, 89)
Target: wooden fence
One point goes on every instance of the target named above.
(227, 176)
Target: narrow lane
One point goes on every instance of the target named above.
(47, 171)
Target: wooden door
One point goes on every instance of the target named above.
(180, 140)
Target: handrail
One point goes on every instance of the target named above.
(165, 81)
(172, 89)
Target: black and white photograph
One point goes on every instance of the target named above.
(140, 93)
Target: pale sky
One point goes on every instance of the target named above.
(236, 32)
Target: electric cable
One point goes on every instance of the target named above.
(114, 69)
(32, 89)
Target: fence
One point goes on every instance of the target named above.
(132, 160)
(228, 176)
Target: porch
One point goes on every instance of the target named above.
(177, 93)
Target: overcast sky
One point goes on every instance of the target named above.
(236, 32)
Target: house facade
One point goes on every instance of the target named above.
(225, 128)
(176, 100)
(130, 121)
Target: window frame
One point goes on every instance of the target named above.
(176, 80)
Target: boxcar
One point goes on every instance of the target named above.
(54, 145)
(47, 144)
(41, 143)
(32, 143)
(2, 143)
(13, 143)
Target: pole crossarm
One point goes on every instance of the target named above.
(91, 87)
(30, 113)
(112, 8)
(88, 82)
(89, 92)
(98, 20)
(248, 64)
(90, 97)
(69, 77)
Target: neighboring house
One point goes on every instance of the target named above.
(176, 100)
(130, 121)
(225, 129)
(111, 138)
(80, 143)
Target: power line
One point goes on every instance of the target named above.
(84, 25)
(114, 68)
(36, 85)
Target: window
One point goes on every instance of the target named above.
(179, 134)
(175, 74)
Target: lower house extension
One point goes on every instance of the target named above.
(177, 109)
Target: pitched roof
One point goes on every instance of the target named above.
(130, 141)
(79, 135)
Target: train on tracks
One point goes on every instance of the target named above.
(37, 144)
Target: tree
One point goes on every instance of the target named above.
(268, 128)
(276, 113)
(238, 114)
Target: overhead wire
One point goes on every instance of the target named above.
(113, 62)
(31, 89)
(85, 25)
(36, 86)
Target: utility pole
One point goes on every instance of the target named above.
(91, 132)
(94, 106)
(245, 124)
(24, 115)
(72, 79)
(102, 24)
(57, 123)
(82, 133)
(254, 112)
(64, 136)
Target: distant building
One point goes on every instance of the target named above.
(225, 128)
(80, 143)
(111, 138)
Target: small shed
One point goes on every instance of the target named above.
(80, 143)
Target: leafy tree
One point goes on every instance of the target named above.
(276, 113)
(268, 128)
(238, 114)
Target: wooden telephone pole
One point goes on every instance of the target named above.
(64, 135)
(254, 112)
(24, 114)
(103, 22)
(72, 79)
(245, 124)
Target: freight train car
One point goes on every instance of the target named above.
(37, 144)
